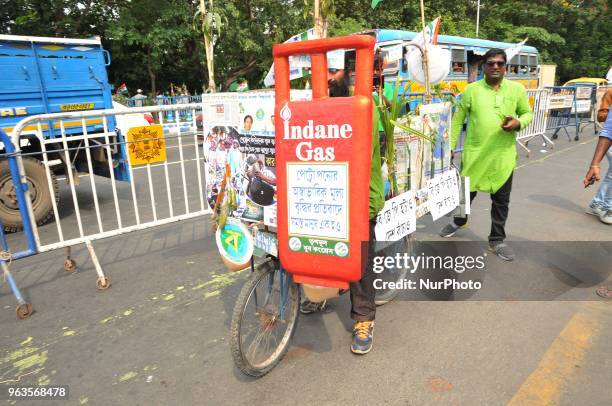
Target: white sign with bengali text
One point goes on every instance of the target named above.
(442, 194)
(560, 102)
(221, 109)
(397, 219)
(317, 197)
(582, 106)
(267, 242)
(584, 92)
(270, 215)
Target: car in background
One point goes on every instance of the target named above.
(585, 80)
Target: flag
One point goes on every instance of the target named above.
(375, 3)
(122, 89)
(429, 35)
(513, 51)
(297, 63)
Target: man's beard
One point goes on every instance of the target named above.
(338, 88)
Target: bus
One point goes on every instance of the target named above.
(466, 57)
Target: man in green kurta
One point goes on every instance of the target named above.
(496, 109)
(363, 294)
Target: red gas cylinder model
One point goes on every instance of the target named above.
(323, 155)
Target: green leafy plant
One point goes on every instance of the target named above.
(389, 120)
(211, 21)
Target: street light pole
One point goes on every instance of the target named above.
(477, 17)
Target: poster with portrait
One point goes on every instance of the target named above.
(256, 113)
(240, 132)
(257, 173)
(436, 122)
(221, 146)
(417, 160)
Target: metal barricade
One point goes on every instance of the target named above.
(562, 111)
(586, 103)
(184, 115)
(538, 99)
(166, 183)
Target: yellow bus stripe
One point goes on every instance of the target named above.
(544, 385)
(56, 125)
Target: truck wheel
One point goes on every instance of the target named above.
(39, 189)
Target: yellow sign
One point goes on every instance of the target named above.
(10, 111)
(76, 106)
(146, 144)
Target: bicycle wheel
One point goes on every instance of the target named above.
(394, 274)
(264, 319)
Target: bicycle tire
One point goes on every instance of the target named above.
(241, 359)
(405, 245)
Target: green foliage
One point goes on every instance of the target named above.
(157, 40)
(388, 116)
(120, 98)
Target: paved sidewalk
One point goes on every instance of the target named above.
(159, 335)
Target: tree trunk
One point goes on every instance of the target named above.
(151, 74)
(234, 75)
(319, 25)
(208, 47)
(320, 19)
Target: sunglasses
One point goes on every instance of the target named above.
(491, 64)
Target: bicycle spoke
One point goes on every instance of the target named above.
(263, 336)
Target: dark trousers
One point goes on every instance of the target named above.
(363, 306)
(500, 202)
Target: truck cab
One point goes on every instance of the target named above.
(40, 75)
(52, 75)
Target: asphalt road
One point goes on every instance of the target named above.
(160, 334)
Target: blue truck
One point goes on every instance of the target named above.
(51, 75)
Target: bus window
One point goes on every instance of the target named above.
(389, 67)
(533, 64)
(459, 68)
(458, 62)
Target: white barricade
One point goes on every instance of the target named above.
(164, 176)
(538, 99)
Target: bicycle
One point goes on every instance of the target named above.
(274, 299)
(267, 309)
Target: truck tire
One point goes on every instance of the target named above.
(42, 206)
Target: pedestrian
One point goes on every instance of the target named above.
(604, 106)
(601, 205)
(139, 98)
(497, 109)
(362, 292)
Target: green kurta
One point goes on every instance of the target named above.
(377, 188)
(489, 153)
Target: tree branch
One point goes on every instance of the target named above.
(239, 72)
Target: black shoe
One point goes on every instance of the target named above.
(308, 307)
(502, 250)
